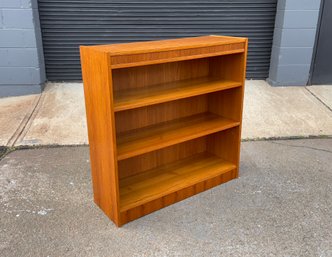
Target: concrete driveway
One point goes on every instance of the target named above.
(57, 116)
(280, 206)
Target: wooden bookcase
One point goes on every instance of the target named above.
(164, 120)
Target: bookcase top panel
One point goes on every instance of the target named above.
(167, 45)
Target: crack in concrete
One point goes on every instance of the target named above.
(24, 124)
(302, 146)
(5, 150)
(328, 107)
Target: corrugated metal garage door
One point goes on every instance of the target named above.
(66, 24)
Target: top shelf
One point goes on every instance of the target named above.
(139, 97)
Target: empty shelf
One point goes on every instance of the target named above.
(147, 139)
(161, 181)
(139, 97)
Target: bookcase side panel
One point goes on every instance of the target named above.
(228, 67)
(228, 103)
(243, 66)
(101, 130)
(224, 144)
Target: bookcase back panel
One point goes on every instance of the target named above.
(143, 76)
(144, 162)
(149, 115)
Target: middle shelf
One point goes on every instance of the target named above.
(154, 137)
(139, 97)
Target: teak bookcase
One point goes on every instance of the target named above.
(164, 120)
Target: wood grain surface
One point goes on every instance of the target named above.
(164, 120)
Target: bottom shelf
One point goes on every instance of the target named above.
(159, 182)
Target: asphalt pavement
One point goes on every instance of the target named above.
(281, 205)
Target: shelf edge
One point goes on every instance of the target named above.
(125, 107)
(174, 142)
